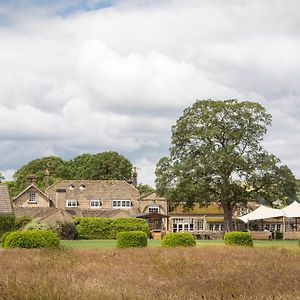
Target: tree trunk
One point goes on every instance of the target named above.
(228, 224)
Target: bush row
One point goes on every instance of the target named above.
(238, 238)
(129, 239)
(30, 239)
(105, 228)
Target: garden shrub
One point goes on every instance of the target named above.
(31, 239)
(35, 225)
(277, 235)
(107, 228)
(178, 239)
(67, 231)
(238, 238)
(4, 236)
(7, 223)
(21, 222)
(131, 239)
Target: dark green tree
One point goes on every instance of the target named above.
(1, 177)
(145, 188)
(216, 156)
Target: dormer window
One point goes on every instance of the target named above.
(32, 198)
(71, 187)
(82, 186)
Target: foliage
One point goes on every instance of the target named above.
(107, 228)
(216, 156)
(35, 225)
(67, 231)
(277, 235)
(131, 239)
(21, 222)
(106, 165)
(31, 239)
(7, 223)
(238, 238)
(178, 239)
(4, 236)
(1, 177)
(145, 189)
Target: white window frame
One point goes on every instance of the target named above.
(70, 202)
(32, 198)
(92, 203)
(124, 203)
(153, 209)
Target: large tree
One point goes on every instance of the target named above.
(216, 156)
(105, 165)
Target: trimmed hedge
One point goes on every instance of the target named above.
(131, 239)
(7, 223)
(178, 239)
(31, 239)
(238, 238)
(107, 228)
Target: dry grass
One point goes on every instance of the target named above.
(150, 273)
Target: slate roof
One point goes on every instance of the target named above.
(102, 213)
(5, 204)
(34, 212)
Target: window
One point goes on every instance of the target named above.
(121, 204)
(72, 187)
(71, 203)
(153, 209)
(183, 225)
(95, 203)
(32, 198)
(82, 186)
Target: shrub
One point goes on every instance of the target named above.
(107, 228)
(21, 222)
(238, 238)
(299, 242)
(277, 235)
(131, 239)
(7, 223)
(178, 239)
(35, 225)
(4, 236)
(31, 239)
(67, 231)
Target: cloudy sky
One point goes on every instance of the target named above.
(90, 76)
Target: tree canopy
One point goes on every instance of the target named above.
(216, 156)
(106, 165)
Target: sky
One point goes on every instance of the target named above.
(114, 75)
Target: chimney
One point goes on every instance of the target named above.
(134, 177)
(46, 173)
(31, 179)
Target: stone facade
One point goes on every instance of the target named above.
(94, 195)
(31, 197)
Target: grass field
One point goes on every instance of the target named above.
(207, 272)
(111, 244)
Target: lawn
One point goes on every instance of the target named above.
(111, 244)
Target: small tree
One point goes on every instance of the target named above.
(216, 155)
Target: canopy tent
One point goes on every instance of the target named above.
(262, 212)
(292, 210)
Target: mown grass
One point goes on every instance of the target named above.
(111, 244)
(150, 273)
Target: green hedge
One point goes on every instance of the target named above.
(178, 239)
(7, 223)
(238, 238)
(107, 228)
(131, 239)
(31, 239)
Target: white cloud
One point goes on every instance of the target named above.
(118, 78)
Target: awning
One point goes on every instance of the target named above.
(292, 210)
(262, 212)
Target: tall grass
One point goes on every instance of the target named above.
(150, 273)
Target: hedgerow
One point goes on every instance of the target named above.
(238, 238)
(107, 228)
(131, 239)
(7, 223)
(178, 239)
(31, 239)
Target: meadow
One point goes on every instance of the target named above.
(208, 271)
